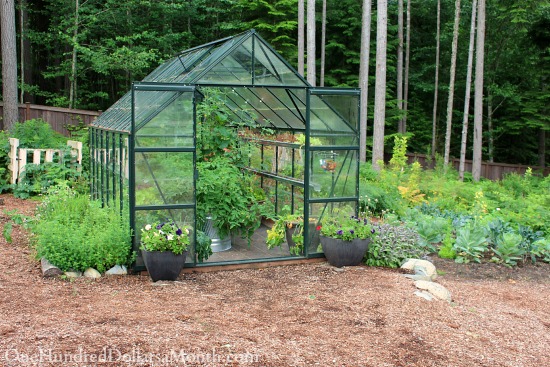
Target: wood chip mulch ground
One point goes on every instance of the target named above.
(306, 315)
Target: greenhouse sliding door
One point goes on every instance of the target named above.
(163, 169)
(332, 154)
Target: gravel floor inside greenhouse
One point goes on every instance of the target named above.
(304, 315)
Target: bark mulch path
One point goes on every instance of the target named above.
(305, 315)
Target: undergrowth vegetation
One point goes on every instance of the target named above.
(505, 221)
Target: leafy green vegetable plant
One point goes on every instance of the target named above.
(508, 250)
(471, 243)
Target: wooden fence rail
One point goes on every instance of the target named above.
(19, 156)
(490, 170)
(58, 118)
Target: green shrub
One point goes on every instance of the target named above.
(73, 232)
(471, 243)
(446, 250)
(393, 245)
(541, 249)
(508, 250)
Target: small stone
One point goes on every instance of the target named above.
(117, 270)
(73, 274)
(92, 273)
(338, 270)
(437, 290)
(418, 277)
(422, 267)
(423, 294)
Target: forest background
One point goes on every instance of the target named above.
(86, 53)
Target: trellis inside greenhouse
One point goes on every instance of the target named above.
(221, 137)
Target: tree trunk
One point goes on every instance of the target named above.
(364, 78)
(491, 141)
(400, 65)
(407, 60)
(478, 95)
(311, 42)
(436, 87)
(72, 90)
(323, 40)
(542, 147)
(9, 64)
(452, 85)
(468, 92)
(380, 86)
(301, 37)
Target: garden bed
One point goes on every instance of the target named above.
(302, 315)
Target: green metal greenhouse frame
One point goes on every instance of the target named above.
(144, 146)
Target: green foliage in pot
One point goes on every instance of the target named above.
(165, 237)
(345, 227)
(74, 232)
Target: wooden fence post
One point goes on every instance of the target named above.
(14, 163)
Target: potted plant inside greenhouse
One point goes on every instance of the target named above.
(290, 227)
(164, 248)
(345, 239)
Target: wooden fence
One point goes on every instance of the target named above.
(57, 117)
(490, 170)
(19, 156)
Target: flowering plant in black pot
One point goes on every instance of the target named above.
(164, 248)
(345, 239)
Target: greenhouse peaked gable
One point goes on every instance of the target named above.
(255, 79)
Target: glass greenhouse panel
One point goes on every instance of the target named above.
(164, 178)
(333, 174)
(182, 218)
(170, 127)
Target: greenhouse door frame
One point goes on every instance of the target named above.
(179, 89)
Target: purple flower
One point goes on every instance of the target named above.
(351, 231)
(159, 226)
(179, 232)
(372, 231)
(340, 232)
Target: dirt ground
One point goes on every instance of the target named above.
(306, 315)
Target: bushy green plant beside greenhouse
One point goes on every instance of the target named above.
(74, 232)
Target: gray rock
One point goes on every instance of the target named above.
(73, 274)
(117, 270)
(92, 273)
(48, 269)
(437, 290)
(423, 294)
(418, 277)
(421, 267)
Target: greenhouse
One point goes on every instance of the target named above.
(227, 138)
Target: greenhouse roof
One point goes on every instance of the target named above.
(255, 79)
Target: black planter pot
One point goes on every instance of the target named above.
(163, 265)
(344, 253)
